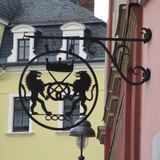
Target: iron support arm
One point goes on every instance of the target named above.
(146, 36)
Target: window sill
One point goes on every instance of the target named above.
(19, 133)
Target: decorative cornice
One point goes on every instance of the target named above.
(22, 28)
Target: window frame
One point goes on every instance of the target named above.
(75, 44)
(18, 33)
(24, 49)
(17, 109)
(11, 117)
(72, 29)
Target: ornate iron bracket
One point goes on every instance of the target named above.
(146, 36)
(72, 86)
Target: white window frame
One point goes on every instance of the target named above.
(11, 116)
(18, 33)
(72, 29)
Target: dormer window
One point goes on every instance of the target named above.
(23, 47)
(74, 44)
(72, 29)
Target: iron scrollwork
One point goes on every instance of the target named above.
(136, 70)
(147, 35)
(45, 92)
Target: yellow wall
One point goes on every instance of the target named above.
(1, 32)
(45, 144)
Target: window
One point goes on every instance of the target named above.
(75, 46)
(20, 118)
(67, 107)
(73, 29)
(23, 49)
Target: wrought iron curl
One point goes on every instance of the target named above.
(136, 70)
(147, 34)
(125, 50)
(146, 37)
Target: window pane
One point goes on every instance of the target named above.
(25, 120)
(27, 53)
(76, 49)
(76, 42)
(75, 45)
(17, 120)
(27, 42)
(67, 108)
(20, 120)
(21, 53)
(23, 49)
(21, 43)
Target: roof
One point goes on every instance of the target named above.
(96, 30)
(47, 16)
(9, 9)
(51, 12)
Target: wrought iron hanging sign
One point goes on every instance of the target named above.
(60, 82)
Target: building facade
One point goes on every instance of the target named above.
(21, 138)
(131, 121)
(150, 100)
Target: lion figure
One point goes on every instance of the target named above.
(36, 87)
(80, 86)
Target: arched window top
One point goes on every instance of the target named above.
(72, 26)
(23, 28)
